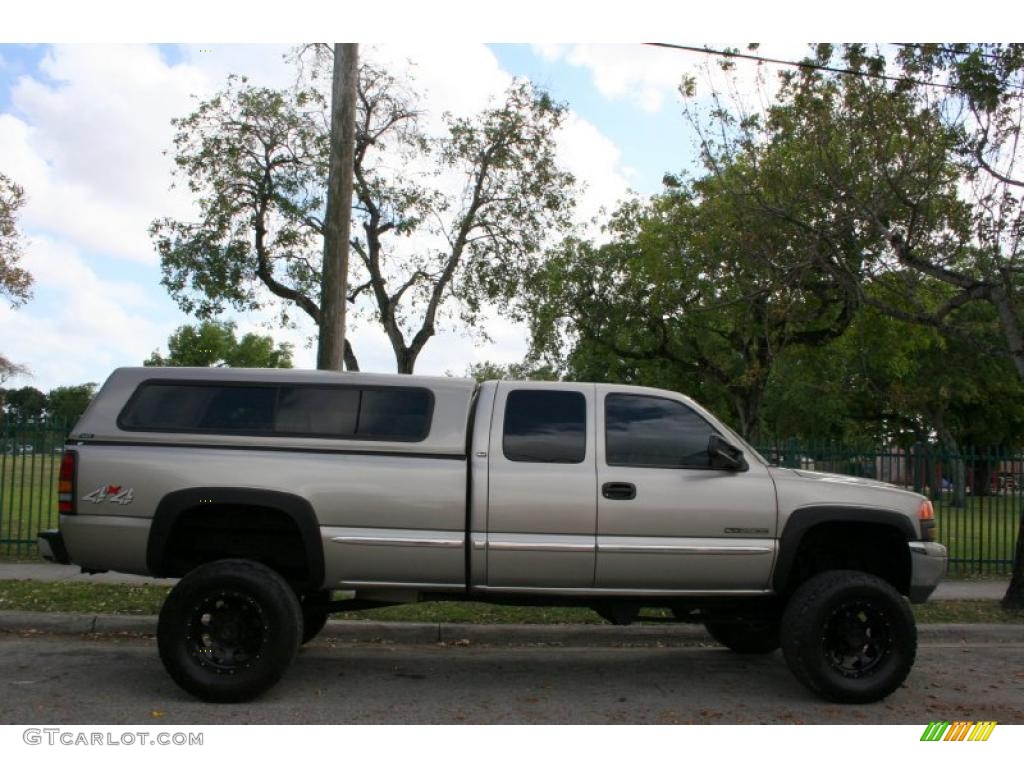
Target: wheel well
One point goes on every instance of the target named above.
(208, 532)
(874, 548)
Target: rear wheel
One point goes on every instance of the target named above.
(228, 630)
(849, 636)
(761, 636)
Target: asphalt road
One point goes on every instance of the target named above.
(49, 679)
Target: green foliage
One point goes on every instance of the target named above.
(901, 195)
(522, 371)
(213, 343)
(887, 381)
(62, 405)
(24, 404)
(691, 292)
(66, 404)
(257, 160)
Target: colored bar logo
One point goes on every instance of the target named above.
(960, 730)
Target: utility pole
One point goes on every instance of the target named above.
(337, 222)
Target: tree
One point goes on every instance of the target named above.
(10, 369)
(685, 296)
(15, 283)
(25, 404)
(927, 165)
(66, 404)
(522, 371)
(214, 343)
(452, 220)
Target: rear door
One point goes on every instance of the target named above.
(666, 519)
(542, 499)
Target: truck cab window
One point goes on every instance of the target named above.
(644, 431)
(545, 426)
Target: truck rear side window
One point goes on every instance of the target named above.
(545, 426)
(394, 414)
(367, 413)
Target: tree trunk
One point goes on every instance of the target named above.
(1010, 323)
(1014, 597)
(405, 360)
(337, 221)
(953, 462)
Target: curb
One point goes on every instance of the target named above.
(409, 633)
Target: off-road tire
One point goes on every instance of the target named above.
(747, 637)
(229, 629)
(849, 636)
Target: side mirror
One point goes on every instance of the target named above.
(725, 455)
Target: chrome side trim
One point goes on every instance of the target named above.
(398, 541)
(537, 546)
(679, 549)
(402, 584)
(606, 592)
(541, 542)
(396, 537)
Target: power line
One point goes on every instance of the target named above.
(808, 65)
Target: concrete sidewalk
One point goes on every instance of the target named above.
(982, 589)
(44, 571)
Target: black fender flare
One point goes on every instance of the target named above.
(804, 519)
(298, 509)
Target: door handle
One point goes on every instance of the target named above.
(619, 491)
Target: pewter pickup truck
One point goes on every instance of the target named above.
(280, 496)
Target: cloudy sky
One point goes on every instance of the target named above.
(84, 128)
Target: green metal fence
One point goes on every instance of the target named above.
(29, 464)
(978, 495)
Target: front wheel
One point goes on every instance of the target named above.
(849, 636)
(228, 630)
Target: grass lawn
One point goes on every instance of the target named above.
(28, 500)
(142, 600)
(983, 531)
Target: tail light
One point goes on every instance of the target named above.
(66, 504)
(926, 516)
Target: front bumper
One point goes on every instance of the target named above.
(928, 562)
(51, 547)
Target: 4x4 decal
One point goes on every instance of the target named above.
(115, 494)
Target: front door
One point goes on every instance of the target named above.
(542, 505)
(667, 520)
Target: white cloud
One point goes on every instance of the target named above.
(88, 144)
(595, 160)
(644, 75)
(87, 137)
(649, 77)
(93, 325)
(461, 79)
